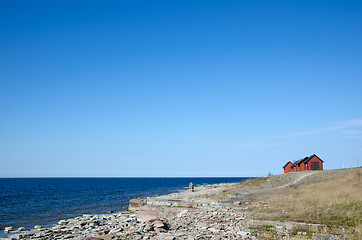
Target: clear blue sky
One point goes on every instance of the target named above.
(178, 88)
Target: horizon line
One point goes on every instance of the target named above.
(128, 176)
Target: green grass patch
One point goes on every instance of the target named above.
(267, 228)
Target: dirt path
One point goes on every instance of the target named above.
(300, 178)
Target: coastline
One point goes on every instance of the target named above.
(45, 201)
(103, 226)
(217, 211)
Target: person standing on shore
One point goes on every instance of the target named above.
(191, 186)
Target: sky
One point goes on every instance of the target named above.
(178, 88)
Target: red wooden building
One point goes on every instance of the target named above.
(305, 164)
(287, 167)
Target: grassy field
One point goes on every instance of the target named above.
(332, 198)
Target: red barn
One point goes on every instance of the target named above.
(305, 164)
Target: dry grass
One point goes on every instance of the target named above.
(335, 200)
(242, 187)
(253, 183)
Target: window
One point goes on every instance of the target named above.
(314, 166)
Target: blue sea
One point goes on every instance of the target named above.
(26, 202)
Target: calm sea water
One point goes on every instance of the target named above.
(26, 202)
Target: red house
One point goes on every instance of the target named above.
(305, 164)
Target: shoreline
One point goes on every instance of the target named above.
(213, 211)
(68, 225)
(33, 206)
(85, 226)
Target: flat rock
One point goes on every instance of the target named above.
(158, 224)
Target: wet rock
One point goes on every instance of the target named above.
(8, 229)
(87, 216)
(63, 222)
(20, 229)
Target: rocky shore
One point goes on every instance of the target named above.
(176, 216)
(219, 211)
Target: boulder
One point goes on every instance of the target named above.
(136, 203)
(21, 229)
(8, 230)
(158, 224)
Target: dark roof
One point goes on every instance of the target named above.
(303, 160)
(312, 157)
(299, 161)
(287, 164)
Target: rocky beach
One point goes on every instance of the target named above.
(218, 211)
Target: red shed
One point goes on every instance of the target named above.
(287, 167)
(294, 167)
(313, 163)
(300, 164)
(308, 163)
